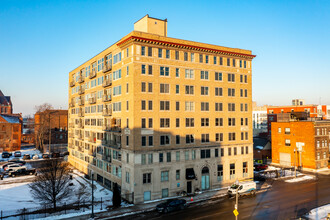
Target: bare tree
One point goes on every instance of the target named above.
(42, 124)
(52, 183)
(82, 193)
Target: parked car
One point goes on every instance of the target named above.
(45, 156)
(258, 167)
(55, 155)
(14, 167)
(17, 160)
(5, 154)
(17, 154)
(35, 157)
(26, 157)
(243, 188)
(171, 205)
(22, 172)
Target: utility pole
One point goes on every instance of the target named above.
(294, 156)
(236, 205)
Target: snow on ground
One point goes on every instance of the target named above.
(319, 212)
(299, 179)
(17, 195)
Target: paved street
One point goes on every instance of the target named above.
(283, 201)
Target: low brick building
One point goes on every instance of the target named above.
(10, 133)
(302, 143)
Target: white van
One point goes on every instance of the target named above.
(244, 188)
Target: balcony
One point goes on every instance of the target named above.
(81, 79)
(81, 102)
(107, 112)
(106, 127)
(81, 114)
(92, 139)
(92, 100)
(81, 90)
(92, 74)
(80, 136)
(106, 158)
(91, 153)
(111, 143)
(71, 104)
(106, 98)
(81, 125)
(72, 83)
(107, 82)
(107, 67)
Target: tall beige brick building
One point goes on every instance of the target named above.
(160, 115)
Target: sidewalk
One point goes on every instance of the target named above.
(213, 194)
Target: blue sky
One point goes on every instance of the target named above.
(41, 41)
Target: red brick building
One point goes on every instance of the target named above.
(6, 106)
(10, 133)
(302, 143)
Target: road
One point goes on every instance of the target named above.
(282, 201)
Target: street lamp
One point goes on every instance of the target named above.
(92, 215)
(236, 205)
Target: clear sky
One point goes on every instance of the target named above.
(41, 41)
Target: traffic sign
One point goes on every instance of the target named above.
(235, 212)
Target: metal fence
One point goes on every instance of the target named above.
(61, 209)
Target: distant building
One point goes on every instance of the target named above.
(53, 124)
(261, 150)
(10, 133)
(298, 102)
(28, 131)
(6, 106)
(259, 119)
(304, 143)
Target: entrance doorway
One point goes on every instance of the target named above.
(189, 187)
(205, 178)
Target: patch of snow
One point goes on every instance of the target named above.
(319, 212)
(303, 178)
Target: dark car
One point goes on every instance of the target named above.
(17, 160)
(45, 156)
(56, 155)
(258, 167)
(171, 205)
(26, 157)
(5, 154)
(22, 172)
(17, 154)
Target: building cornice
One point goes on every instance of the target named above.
(131, 39)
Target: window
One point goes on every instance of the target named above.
(150, 69)
(164, 105)
(150, 51)
(231, 136)
(287, 142)
(218, 107)
(146, 178)
(143, 50)
(177, 139)
(189, 74)
(244, 63)
(143, 141)
(186, 155)
(232, 171)
(177, 106)
(190, 139)
(149, 87)
(143, 159)
(189, 90)
(206, 58)
(150, 158)
(205, 153)
(189, 106)
(127, 177)
(177, 174)
(177, 89)
(205, 122)
(143, 123)
(167, 54)
(218, 121)
(168, 156)
(231, 77)
(177, 155)
(218, 76)
(287, 130)
(201, 58)
(205, 138)
(190, 122)
(220, 172)
(193, 154)
(317, 144)
(164, 71)
(143, 105)
(160, 52)
(185, 56)
(242, 150)
(164, 88)
(161, 157)
(219, 137)
(150, 105)
(245, 169)
(204, 74)
(164, 140)
(218, 91)
(164, 193)
(234, 62)
(177, 55)
(177, 122)
(228, 61)
(143, 87)
(216, 152)
(164, 122)
(231, 92)
(192, 57)
(231, 107)
(221, 61)
(177, 72)
(246, 150)
(235, 150)
(318, 155)
(143, 69)
(204, 90)
(231, 121)
(205, 106)
(214, 60)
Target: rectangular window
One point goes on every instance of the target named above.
(218, 107)
(177, 55)
(149, 87)
(218, 76)
(143, 50)
(177, 139)
(189, 106)
(204, 90)
(205, 138)
(150, 105)
(287, 131)
(222, 152)
(231, 121)
(219, 137)
(190, 122)
(232, 171)
(204, 74)
(177, 155)
(231, 92)
(231, 136)
(177, 122)
(150, 123)
(234, 62)
(218, 91)
(189, 74)
(201, 58)
(164, 176)
(164, 88)
(143, 141)
(164, 140)
(186, 155)
(205, 153)
(221, 61)
(143, 159)
(177, 89)
(205, 122)
(193, 154)
(246, 150)
(167, 54)
(220, 172)
(190, 139)
(231, 77)
(146, 178)
(168, 157)
(143, 69)
(160, 52)
(192, 57)
(177, 174)
(143, 87)
(231, 107)
(228, 61)
(216, 152)
(177, 72)
(177, 106)
(206, 58)
(143, 105)
(214, 60)
(164, 122)
(189, 90)
(287, 142)
(218, 121)
(185, 56)
(164, 105)
(150, 51)
(161, 157)
(143, 123)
